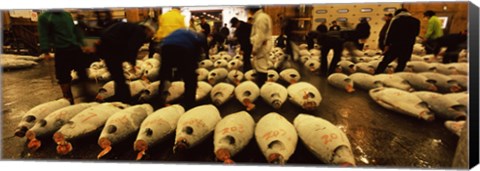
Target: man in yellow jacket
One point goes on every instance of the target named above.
(434, 31)
(168, 23)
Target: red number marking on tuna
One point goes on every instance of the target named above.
(329, 138)
(272, 134)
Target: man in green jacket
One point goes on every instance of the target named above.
(58, 32)
(434, 31)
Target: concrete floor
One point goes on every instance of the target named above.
(378, 137)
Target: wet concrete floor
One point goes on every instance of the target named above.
(378, 136)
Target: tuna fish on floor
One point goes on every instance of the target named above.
(121, 125)
(276, 137)
(232, 134)
(156, 127)
(194, 126)
(325, 140)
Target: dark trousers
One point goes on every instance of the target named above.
(68, 59)
(337, 53)
(402, 52)
(247, 52)
(115, 67)
(185, 61)
(430, 45)
(152, 48)
(261, 78)
(450, 56)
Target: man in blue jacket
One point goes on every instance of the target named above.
(181, 50)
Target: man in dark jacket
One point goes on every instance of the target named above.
(120, 43)
(205, 26)
(57, 30)
(454, 43)
(327, 41)
(362, 32)
(242, 33)
(399, 41)
(335, 26)
(383, 32)
(181, 49)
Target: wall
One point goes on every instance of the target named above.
(457, 12)
(353, 17)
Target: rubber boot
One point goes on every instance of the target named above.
(67, 92)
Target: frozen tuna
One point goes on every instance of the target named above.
(207, 64)
(203, 90)
(156, 127)
(194, 126)
(442, 106)
(304, 95)
(312, 65)
(221, 93)
(276, 137)
(341, 81)
(37, 113)
(444, 83)
(365, 81)
(326, 141)
(402, 102)
(290, 75)
(247, 92)
(235, 77)
(250, 75)
(84, 123)
(150, 92)
(274, 94)
(121, 125)
(391, 80)
(232, 134)
(272, 75)
(53, 122)
(417, 81)
(217, 75)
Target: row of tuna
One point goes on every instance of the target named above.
(425, 81)
(302, 94)
(275, 135)
(146, 69)
(12, 61)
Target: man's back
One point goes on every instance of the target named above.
(243, 32)
(57, 28)
(403, 30)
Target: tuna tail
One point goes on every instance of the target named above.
(142, 146)
(106, 145)
(224, 155)
(276, 158)
(34, 143)
(250, 106)
(63, 147)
